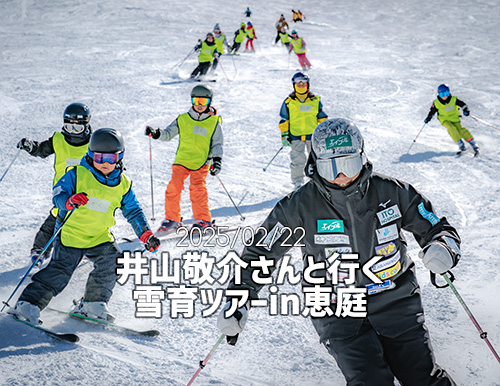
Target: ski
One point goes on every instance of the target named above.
(108, 324)
(67, 337)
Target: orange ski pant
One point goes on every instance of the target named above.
(197, 193)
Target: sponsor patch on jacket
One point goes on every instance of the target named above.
(376, 288)
(338, 141)
(429, 216)
(387, 234)
(385, 263)
(199, 130)
(331, 239)
(386, 274)
(385, 249)
(389, 214)
(98, 204)
(330, 226)
(329, 251)
(305, 108)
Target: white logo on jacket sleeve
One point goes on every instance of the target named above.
(387, 234)
(389, 214)
(331, 239)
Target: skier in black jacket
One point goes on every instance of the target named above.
(346, 208)
(68, 146)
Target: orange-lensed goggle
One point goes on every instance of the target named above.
(200, 101)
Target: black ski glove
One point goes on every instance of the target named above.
(427, 119)
(151, 132)
(466, 111)
(25, 144)
(216, 166)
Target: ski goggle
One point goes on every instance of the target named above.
(74, 128)
(444, 94)
(330, 168)
(111, 158)
(300, 79)
(200, 101)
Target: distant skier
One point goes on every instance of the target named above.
(208, 51)
(248, 13)
(300, 113)
(220, 42)
(200, 144)
(297, 16)
(447, 106)
(96, 187)
(285, 38)
(281, 25)
(68, 146)
(298, 45)
(250, 37)
(239, 37)
(349, 214)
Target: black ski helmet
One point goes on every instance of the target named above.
(77, 112)
(202, 91)
(74, 115)
(107, 141)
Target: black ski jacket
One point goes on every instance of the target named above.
(369, 216)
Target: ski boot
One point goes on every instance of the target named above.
(202, 225)
(94, 310)
(27, 312)
(461, 147)
(169, 225)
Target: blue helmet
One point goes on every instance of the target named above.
(443, 88)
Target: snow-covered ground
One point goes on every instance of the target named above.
(376, 62)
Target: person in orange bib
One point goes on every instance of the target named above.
(199, 151)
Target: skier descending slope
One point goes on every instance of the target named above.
(68, 147)
(300, 113)
(96, 187)
(348, 207)
(447, 106)
(200, 143)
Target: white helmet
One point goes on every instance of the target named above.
(338, 147)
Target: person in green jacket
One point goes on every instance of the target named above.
(239, 37)
(220, 42)
(68, 146)
(208, 51)
(446, 105)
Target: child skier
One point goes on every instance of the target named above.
(300, 113)
(68, 146)
(200, 142)
(281, 25)
(250, 37)
(298, 45)
(96, 188)
(220, 42)
(447, 106)
(285, 38)
(248, 13)
(208, 51)
(239, 37)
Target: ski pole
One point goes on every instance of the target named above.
(17, 154)
(482, 334)
(204, 362)
(6, 303)
(272, 159)
(222, 68)
(183, 60)
(486, 123)
(408, 152)
(151, 173)
(241, 216)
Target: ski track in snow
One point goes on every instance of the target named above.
(374, 62)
